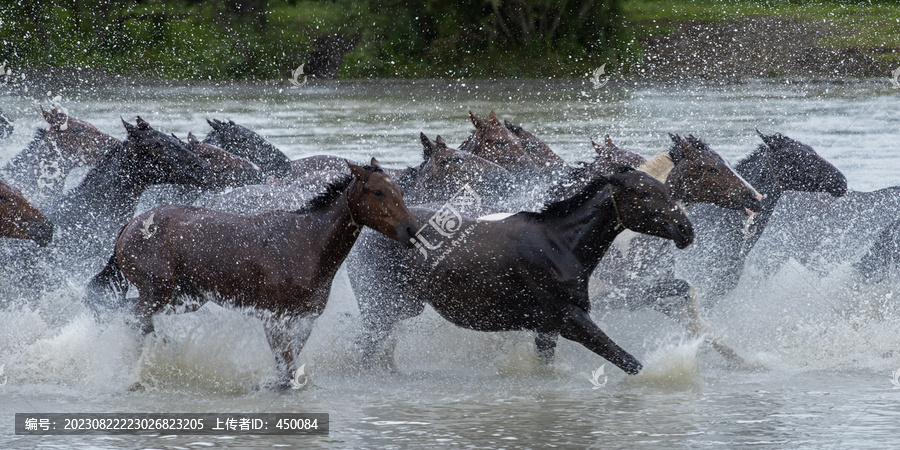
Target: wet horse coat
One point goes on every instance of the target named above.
(528, 271)
(279, 262)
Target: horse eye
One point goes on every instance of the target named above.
(378, 193)
(712, 170)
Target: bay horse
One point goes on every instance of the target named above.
(640, 271)
(40, 169)
(20, 220)
(725, 237)
(494, 142)
(246, 143)
(529, 271)
(279, 262)
(92, 213)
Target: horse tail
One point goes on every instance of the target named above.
(108, 288)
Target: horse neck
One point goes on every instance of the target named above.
(108, 188)
(755, 170)
(334, 226)
(588, 231)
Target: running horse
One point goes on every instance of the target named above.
(20, 220)
(640, 271)
(528, 271)
(726, 237)
(512, 148)
(246, 143)
(279, 262)
(40, 170)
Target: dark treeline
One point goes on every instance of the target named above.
(268, 38)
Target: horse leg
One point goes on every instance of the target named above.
(378, 322)
(151, 298)
(688, 314)
(546, 346)
(578, 326)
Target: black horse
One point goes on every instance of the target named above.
(246, 143)
(528, 271)
(91, 215)
(725, 237)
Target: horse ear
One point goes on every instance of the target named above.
(478, 123)
(609, 142)
(356, 170)
(48, 116)
(512, 127)
(129, 128)
(191, 138)
(429, 146)
(374, 163)
(441, 143)
(770, 139)
(142, 124)
(680, 150)
(492, 118)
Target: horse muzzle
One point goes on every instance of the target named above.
(41, 232)
(682, 233)
(406, 233)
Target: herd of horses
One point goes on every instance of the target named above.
(261, 231)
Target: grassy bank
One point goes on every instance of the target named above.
(203, 39)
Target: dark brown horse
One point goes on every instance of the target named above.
(41, 169)
(640, 271)
(494, 142)
(779, 165)
(279, 262)
(228, 169)
(20, 220)
(528, 271)
(246, 143)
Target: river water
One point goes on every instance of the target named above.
(822, 366)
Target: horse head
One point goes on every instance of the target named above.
(796, 166)
(494, 142)
(76, 141)
(536, 147)
(643, 204)
(246, 143)
(376, 202)
(20, 220)
(229, 170)
(701, 175)
(610, 157)
(153, 157)
(446, 170)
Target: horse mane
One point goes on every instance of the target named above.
(331, 192)
(562, 208)
(658, 166)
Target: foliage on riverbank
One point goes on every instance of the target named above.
(266, 39)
